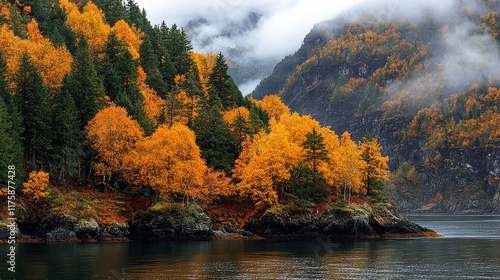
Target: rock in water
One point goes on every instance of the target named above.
(353, 221)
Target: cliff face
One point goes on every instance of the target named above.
(458, 181)
(462, 181)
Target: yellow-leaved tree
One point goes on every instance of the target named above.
(113, 135)
(52, 62)
(351, 165)
(375, 168)
(169, 161)
(273, 105)
(37, 185)
(264, 165)
(90, 24)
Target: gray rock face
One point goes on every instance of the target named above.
(114, 230)
(87, 229)
(66, 228)
(158, 225)
(354, 221)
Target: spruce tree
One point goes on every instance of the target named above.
(178, 47)
(315, 148)
(215, 139)
(114, 10)
(159, 42)
(34, 105)
(241, 128)
(84, 85)
(11, 148)
(68, 138)
(149, 62)
(315, 152)
(221, 87)
(119, 71)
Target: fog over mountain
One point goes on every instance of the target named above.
(253, 35)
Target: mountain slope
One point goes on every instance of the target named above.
(426, 87)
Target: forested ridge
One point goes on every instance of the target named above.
(104, 115)
(424, 82)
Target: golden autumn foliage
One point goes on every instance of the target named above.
(52, 62)
(273, 105)
(375, 166)
(90, 24)
(132, 36)
(264, 164)
(153, 103)
(37, 185)
(231, 115)
(113, 134)
(469, 119)
(271, 156)
(169, 161)
(350, 164)
(205, 63)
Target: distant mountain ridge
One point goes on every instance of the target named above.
(427, 89)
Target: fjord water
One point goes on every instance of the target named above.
(469, 250)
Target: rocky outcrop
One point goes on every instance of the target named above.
(189, 224)
(353, 221)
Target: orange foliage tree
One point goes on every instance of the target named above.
(205, 63)
(52, 62)
(350, 164)
(169, 161)
(37, 185)
(113, 135)
(90, 24)
(132, 36)
(273, 105)
(264, 165)
(375, 168)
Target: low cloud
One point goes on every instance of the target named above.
(246, 31)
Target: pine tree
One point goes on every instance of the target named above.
(315, 148)
(11, 148)
(159, 42)
(34, 105)
(84, 85)
(179, 46)
(215, 139)
(241, 128)
(375, 169)
(221, 87)
(119, 70)
(134, 14)
(114, 10)
(149, 62)
(68, 138)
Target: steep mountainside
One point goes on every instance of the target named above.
(426, 86)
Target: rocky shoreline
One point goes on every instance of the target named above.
(353, 221)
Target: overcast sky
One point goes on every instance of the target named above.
(281, 27)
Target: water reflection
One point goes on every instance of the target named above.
(438, 258)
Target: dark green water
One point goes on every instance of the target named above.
(469, 250)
